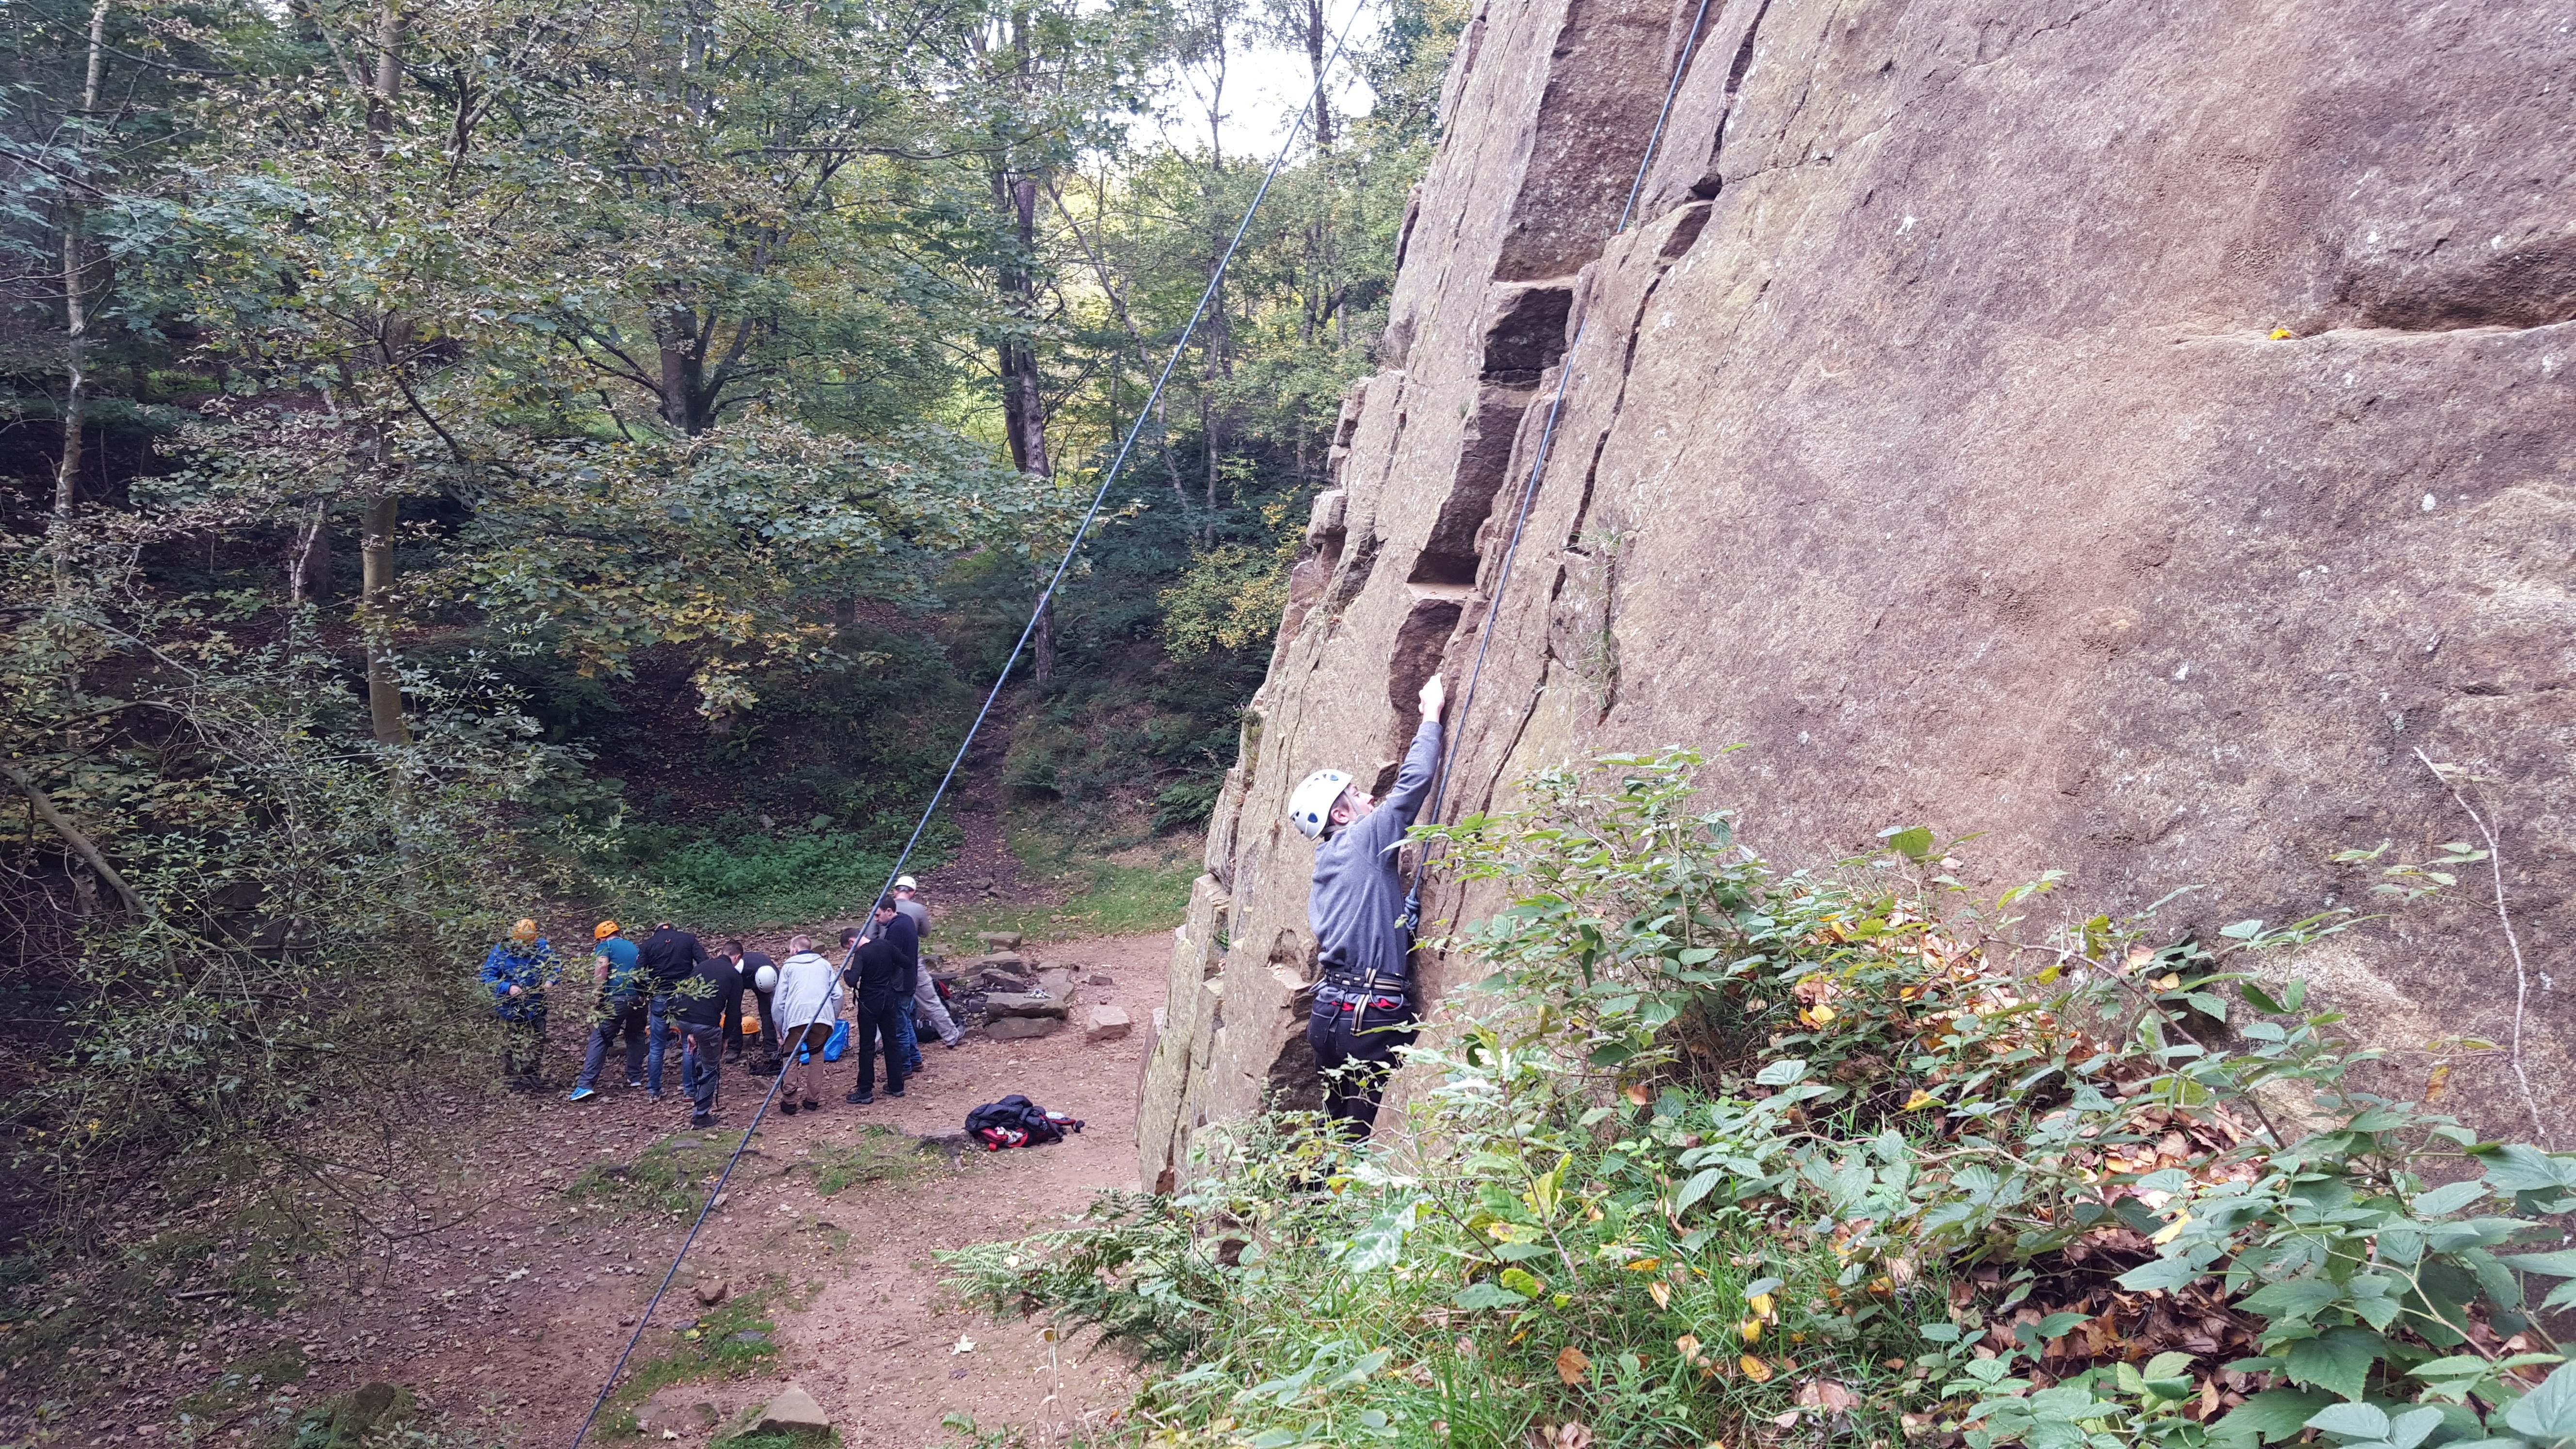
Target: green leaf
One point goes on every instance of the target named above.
(2560, 1264)
(2338, 1359)
(2162, 1273)
(1487, 1295)
(2261, 1000)
(1914, 844)
(2272, 1414)
(2297, 1298)
(1521, 1281)
(2242, 930)
(2515, 1167)
(2450, 1198)
(2411, 1428)
(2352, 1421)
(1701, 1183)
(2547, 1413)
(1781, 1073)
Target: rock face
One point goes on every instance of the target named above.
(2131, 432)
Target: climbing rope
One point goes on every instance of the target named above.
(1099, 497)
(1538, 467)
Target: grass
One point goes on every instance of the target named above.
(748, 878)
(710, 1346)
(1119, 887)
(670, 1176)
(880, 1155)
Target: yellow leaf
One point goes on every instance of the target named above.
(1754, 1369)
(2278, 333)
(2434, 1084)
(1762, 1307)
(2171, 1230)
(1921, 1098)
(2168, 981)
(1662, 1293)
(1571, 1365)
(1645, 1265)
(1751, 1329)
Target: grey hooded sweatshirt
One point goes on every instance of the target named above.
(1357, 906)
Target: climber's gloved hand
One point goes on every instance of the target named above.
(1435, 697)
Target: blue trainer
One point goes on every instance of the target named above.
(580, 1094)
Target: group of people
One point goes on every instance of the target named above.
(669, 988)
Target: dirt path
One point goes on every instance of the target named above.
(512, 1321)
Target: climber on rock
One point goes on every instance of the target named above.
(1364, 1005)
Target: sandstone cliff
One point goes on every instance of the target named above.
(1928, 432)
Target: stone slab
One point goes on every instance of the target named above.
(1107, 1023)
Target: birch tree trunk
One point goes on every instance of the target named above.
(76, 338)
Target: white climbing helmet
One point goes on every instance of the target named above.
(906, 883)
(1313, 801)
(766, 978)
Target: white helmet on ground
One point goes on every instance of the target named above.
(1312, 804)
(766, 978)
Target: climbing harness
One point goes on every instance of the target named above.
(1099, 497)
(1538, 467)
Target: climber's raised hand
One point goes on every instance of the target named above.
(1435, 697)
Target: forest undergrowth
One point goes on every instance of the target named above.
(1719, 1153)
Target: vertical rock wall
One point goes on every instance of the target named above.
(1929, 432)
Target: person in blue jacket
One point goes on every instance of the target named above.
(517, 973)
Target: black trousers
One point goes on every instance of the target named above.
(876, 1025)
(733, 1033)
(1355, 1049)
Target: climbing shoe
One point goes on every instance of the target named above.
(860, 1099)
(580, 1094)
(787, 1108)
(702, 1119)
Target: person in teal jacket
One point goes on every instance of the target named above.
(517, 973)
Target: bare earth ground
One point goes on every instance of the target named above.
(506, 1325)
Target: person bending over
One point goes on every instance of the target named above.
(1364, 1003)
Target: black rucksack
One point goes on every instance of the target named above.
(1015, 1121)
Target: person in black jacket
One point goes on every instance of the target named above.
(666, 958)
(698, 1003)
(751, 964)
(881, 973)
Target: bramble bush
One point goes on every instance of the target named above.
(1727, 1154)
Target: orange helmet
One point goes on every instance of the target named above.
(606, 930)
(526, 930)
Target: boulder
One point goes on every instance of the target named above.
(1107, 1023)
(1000, 940)
(1014, 1028)
(1060, 983)
(681, 1407)
(1099, 978)
(1011, 981)
(793, 1412)
(1002, 1004)
(711, 1291)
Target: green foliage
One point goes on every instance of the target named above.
(1726, 1150)
(1229, 598)
(671, 1176)
(737, 1338)
(745, 878)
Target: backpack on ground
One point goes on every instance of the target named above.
(1015, 1121)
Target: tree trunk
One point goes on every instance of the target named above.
(1315, 37)
(76, 336)
(376, 555)
(308, 559)
(1023, 397)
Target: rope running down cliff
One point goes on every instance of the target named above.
(1538, 467)
(1099, 497)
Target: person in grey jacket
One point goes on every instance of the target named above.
(926, 1004)
(1364, 1005)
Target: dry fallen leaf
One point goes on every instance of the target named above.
(1826, 1394)
(1572, 1435)
(1661, 1292)
(1754, 1369)
(1788, 1420)
(1571, 1365)
(1637, 1094)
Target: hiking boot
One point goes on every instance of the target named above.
(580, 1094)
(813, 1106)
(702, 1119)
(787, 1108)
(894, 1091)
(859, 1099)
